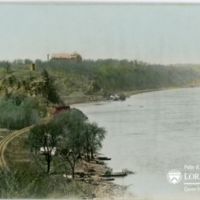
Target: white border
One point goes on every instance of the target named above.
(106, 1)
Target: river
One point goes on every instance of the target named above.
(151, 134)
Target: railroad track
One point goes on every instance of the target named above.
(5, 141)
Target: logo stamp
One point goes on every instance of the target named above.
(174, 176)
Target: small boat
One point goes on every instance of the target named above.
(107, 179)
(115, 174)
(103, 158)
(118, 174)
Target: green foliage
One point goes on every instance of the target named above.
(6, 65)
(45, 136)
(35, 137)
(108, 76)
(80, 139)
(30, 84)
(101, 77)
(48, 89)
(28, 61)
(93, 137)
(71, 134)
(17, 112)
(122, 97)
(16, 184)
(25, 184)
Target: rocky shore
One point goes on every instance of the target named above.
(94, 172)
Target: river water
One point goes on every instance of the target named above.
(151, 134)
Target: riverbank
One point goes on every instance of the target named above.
(111, 186)
(88, 183)
(81, 99)
(145, 124)
(103, 188)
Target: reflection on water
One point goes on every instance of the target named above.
(150, 134)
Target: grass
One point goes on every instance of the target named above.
(3, 132)
(39, 184)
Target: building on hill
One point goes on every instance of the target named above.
(66, 56)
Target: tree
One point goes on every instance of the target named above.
(71, 135)
(63, 135)
(7, 67)
(49, 89)
(71, 157)
(94, 136)
(71, 148)
(28, 61)
(35, 138)
(43, 139)
(18, 112)
(80, 138)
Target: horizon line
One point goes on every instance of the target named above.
(108, 58)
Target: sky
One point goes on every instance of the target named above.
(165, 34)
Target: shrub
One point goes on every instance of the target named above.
(18, 114)
(122, 97)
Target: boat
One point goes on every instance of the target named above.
(118, 174)
(115, 174)
(107, 179)
(103, 158)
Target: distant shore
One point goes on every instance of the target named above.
(74, 100)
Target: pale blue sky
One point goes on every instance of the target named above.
(152, 33)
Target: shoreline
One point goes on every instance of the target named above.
(91, 99)
(109, 189)
(102, 188)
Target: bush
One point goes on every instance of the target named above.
(17, 114)
(122, 97)
(25, 184)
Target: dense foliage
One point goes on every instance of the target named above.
(23, 82)
(17, 113)
(25, 97)
(100, 77)
(25, 184)
(107, 76)
(71, 135)
(48, 90)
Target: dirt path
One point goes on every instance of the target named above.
(5, 141)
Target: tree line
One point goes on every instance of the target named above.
(109, 75)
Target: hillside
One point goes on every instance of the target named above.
(92, 80)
